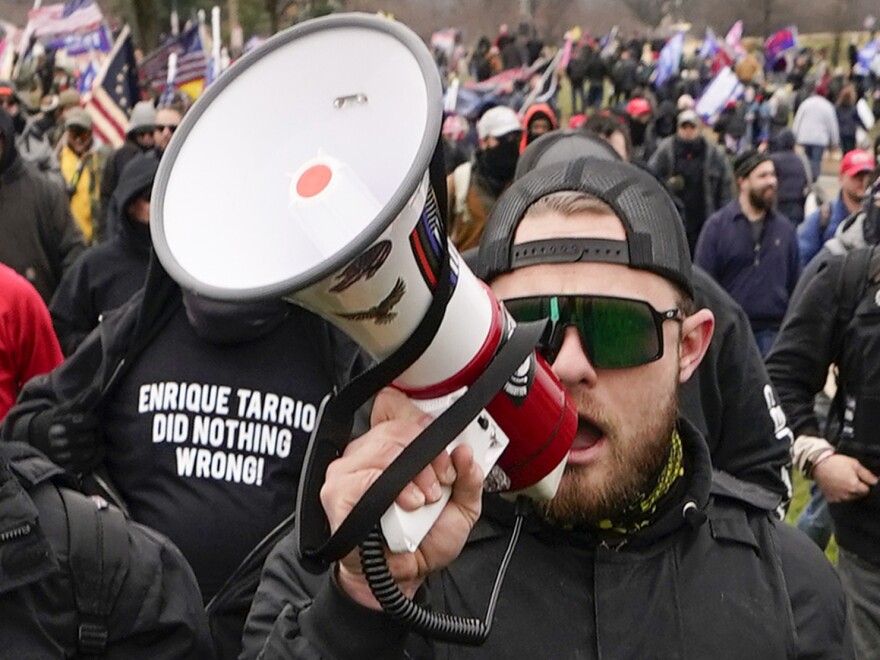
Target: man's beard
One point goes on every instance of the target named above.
(760, 201)
(591, 493)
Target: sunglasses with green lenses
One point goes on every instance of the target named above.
(615, 332)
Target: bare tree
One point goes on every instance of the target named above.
(842, 17)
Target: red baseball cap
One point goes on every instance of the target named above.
(637, 106)
(856, 162)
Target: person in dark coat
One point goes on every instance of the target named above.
(696, 171)
(847, 118)
(40, 238)
(751, 250)
(138, 139)
(109, 274)
(792, 176)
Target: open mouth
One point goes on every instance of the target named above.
(588, 434)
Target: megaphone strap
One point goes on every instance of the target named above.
(335, 422)
(337, 412)
(431, 442)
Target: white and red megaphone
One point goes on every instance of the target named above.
(303, 173)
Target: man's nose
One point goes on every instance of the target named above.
(572, 364)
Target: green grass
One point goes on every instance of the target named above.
(798, 502)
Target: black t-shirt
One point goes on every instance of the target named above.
(205, 442)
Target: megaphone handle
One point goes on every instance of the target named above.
(434, 439)
(404, 530)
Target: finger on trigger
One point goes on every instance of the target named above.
(444, 469)
(469, 480)
(411, 498)
(428, 483)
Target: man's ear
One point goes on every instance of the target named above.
(696, 334)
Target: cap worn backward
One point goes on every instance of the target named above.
(655, 238)
(562, 146)
(498, 121)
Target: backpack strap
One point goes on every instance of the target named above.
(98, 563)
(851, 283)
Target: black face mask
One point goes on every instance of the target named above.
(232, 323)
(498, 164)
(637, 132)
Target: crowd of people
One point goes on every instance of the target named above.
(153, 439)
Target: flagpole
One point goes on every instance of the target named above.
(551, 68)
(23, 43)
(215, 40)
(175, 19)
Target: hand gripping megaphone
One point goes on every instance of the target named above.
(309, 171)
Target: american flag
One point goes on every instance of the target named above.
(114, 92)
(192, 59)
(73, 16)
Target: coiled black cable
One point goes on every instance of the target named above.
(435, 625)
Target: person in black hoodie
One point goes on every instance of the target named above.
(40, 237)
(108, 275)
(138, 139)
(199, 414)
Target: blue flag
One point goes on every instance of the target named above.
(725, 87)
(710, 45)
(867, 54)
(87, 78)
(670, 59)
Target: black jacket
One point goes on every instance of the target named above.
(718, 183)
(737, 583)
(731, 401)
(817, 332)
(110, 179)
(40, 238)
(158, 611)
(791, 175)
(109, 274)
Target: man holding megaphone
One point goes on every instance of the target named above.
(591, 261)
(639, 554)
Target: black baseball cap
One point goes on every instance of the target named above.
(655, 237)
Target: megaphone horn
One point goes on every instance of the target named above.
(335, 211)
